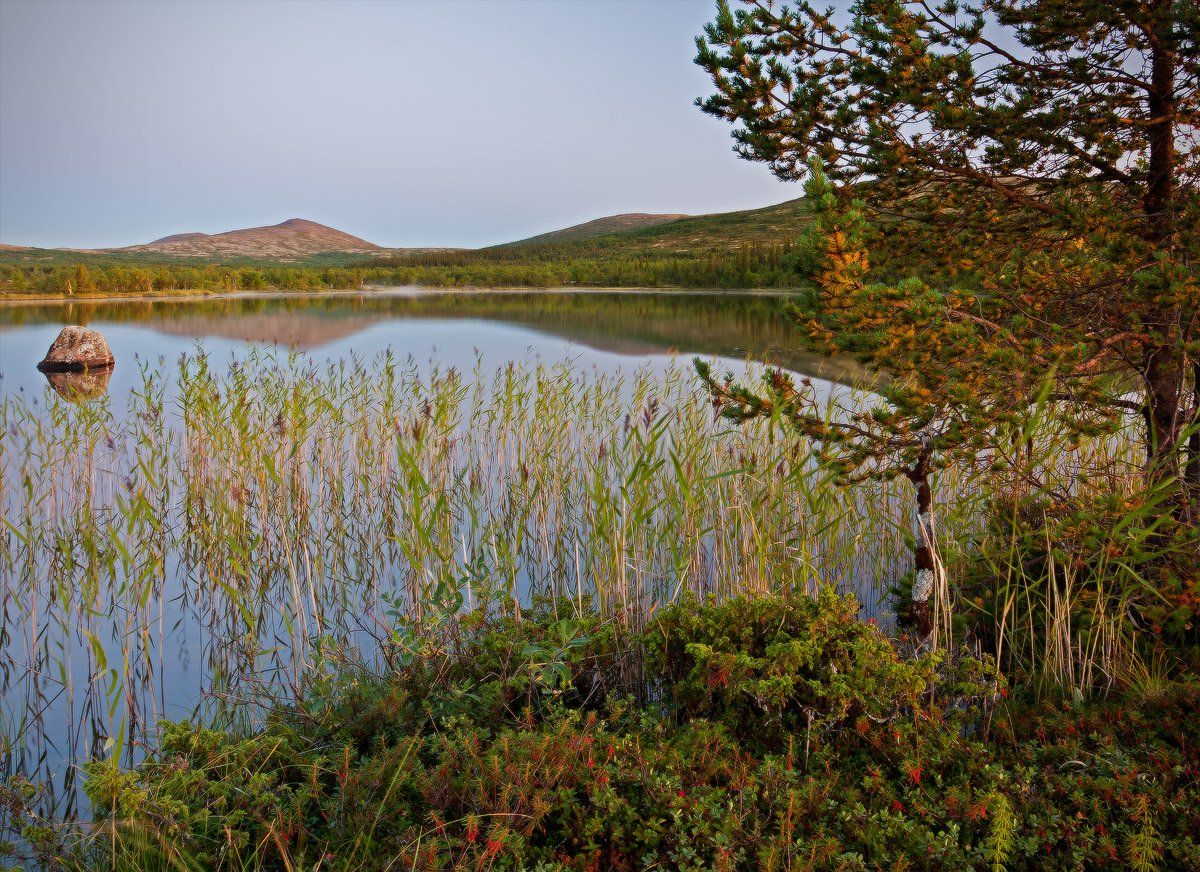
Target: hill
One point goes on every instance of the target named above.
(676, 235)
(294, 238)
(602, 227)
(307, 243)
(745, 249)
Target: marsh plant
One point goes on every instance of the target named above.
(227, 538)
(218, 535)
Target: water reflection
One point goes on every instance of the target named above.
(725, 324)
(80, 387)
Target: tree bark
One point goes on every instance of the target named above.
(1164, 376)
(1157, 204)
(924, 564)
(1191, 473)
(1163, 361)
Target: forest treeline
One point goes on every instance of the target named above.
(756, 265)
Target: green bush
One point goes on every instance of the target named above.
(773, 668)
(496, 749)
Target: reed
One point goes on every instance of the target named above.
(224, 537)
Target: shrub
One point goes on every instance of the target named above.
(772, 668)
(494, 751)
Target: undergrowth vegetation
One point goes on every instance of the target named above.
(551, 616)
(763, 732)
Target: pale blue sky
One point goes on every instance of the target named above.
(407, 123)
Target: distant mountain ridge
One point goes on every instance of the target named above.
(305, 242)
(674, 234)
(180, 237)
(296, 237)
(603, 227)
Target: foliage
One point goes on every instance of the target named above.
(1108, 570)
(397, 772)
(753, 266)
(953, 387)
(769, 674)
(963, 129)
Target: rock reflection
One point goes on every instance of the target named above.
(80, 387)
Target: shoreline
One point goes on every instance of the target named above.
(387, 291)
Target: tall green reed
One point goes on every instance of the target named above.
(231, 532)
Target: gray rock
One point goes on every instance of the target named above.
(77, 349)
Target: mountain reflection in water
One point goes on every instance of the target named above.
(728, 324)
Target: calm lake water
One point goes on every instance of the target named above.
(611, 331)
(124, 593)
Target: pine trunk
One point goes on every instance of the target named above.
(1165, 419)
(1192, 472)
(1164, 364)
(924, 564)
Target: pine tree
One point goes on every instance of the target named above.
(930, 414)
(1045, 148)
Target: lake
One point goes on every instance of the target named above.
(266, 486)
(612, 331)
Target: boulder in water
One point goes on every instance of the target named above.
(77, 349)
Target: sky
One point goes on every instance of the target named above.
(407, 123)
